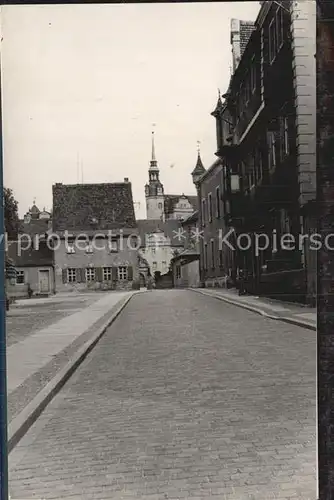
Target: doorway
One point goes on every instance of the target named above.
(44, 281)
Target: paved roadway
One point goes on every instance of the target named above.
(184, 397)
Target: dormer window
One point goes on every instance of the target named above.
(113, 247)
(89, 248)
(70, 248)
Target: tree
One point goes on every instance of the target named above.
(11, 214)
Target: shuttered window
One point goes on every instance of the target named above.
(90, 274)
(122, 273)
(71, 275)
(107, 274)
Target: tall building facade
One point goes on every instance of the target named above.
(266, 141)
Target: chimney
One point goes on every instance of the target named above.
(126, 179)
(235, 42)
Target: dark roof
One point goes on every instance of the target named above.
(30, 257)
(211, 169)
(39, 226)
(172, 199)
(199, 167)
(84, 207)
(246, 30)
(188, 255)
(191, 218)
(170, 229)
(218, 108)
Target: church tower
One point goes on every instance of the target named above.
(154, 190)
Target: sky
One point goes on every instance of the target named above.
(82, 86)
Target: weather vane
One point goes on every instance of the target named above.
(219, 95)
(198, 147)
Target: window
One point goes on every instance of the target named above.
(107, 274)
(251, 171)
(247, 88)
(164, 263)
(253, 75)
(203, 212)
(122, 273)
(178, 272)
(285, 222)
(71, 275)
(70, 248)
(90, 274)
(160, 206)
(20, 277)
(221, 258)
(279, 28)
(272, 41)
(259, 166)
(272, 149)
(210, 207)
(89, 248)
(205, 256)
(212, 254)
(225, 178)
(153, 250)
(284, 137)
(154, 265)
(218, 202)
(113, 246)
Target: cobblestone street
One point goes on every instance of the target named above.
(184, 397)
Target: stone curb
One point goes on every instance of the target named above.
(292, 321)
(19, 426)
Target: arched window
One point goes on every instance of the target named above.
(160, 206)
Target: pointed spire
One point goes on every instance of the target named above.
(153, 162)
(199, 167)
(219, 106)
(153, 148)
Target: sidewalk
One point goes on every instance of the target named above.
(40, 364)
(299, 315)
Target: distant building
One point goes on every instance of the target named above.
(35, 214)
(33, 258)
(215, 258)
(185, 263)
(159, 241)
(95, 236)
(161, 206)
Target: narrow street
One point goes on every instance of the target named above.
(183, 397)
